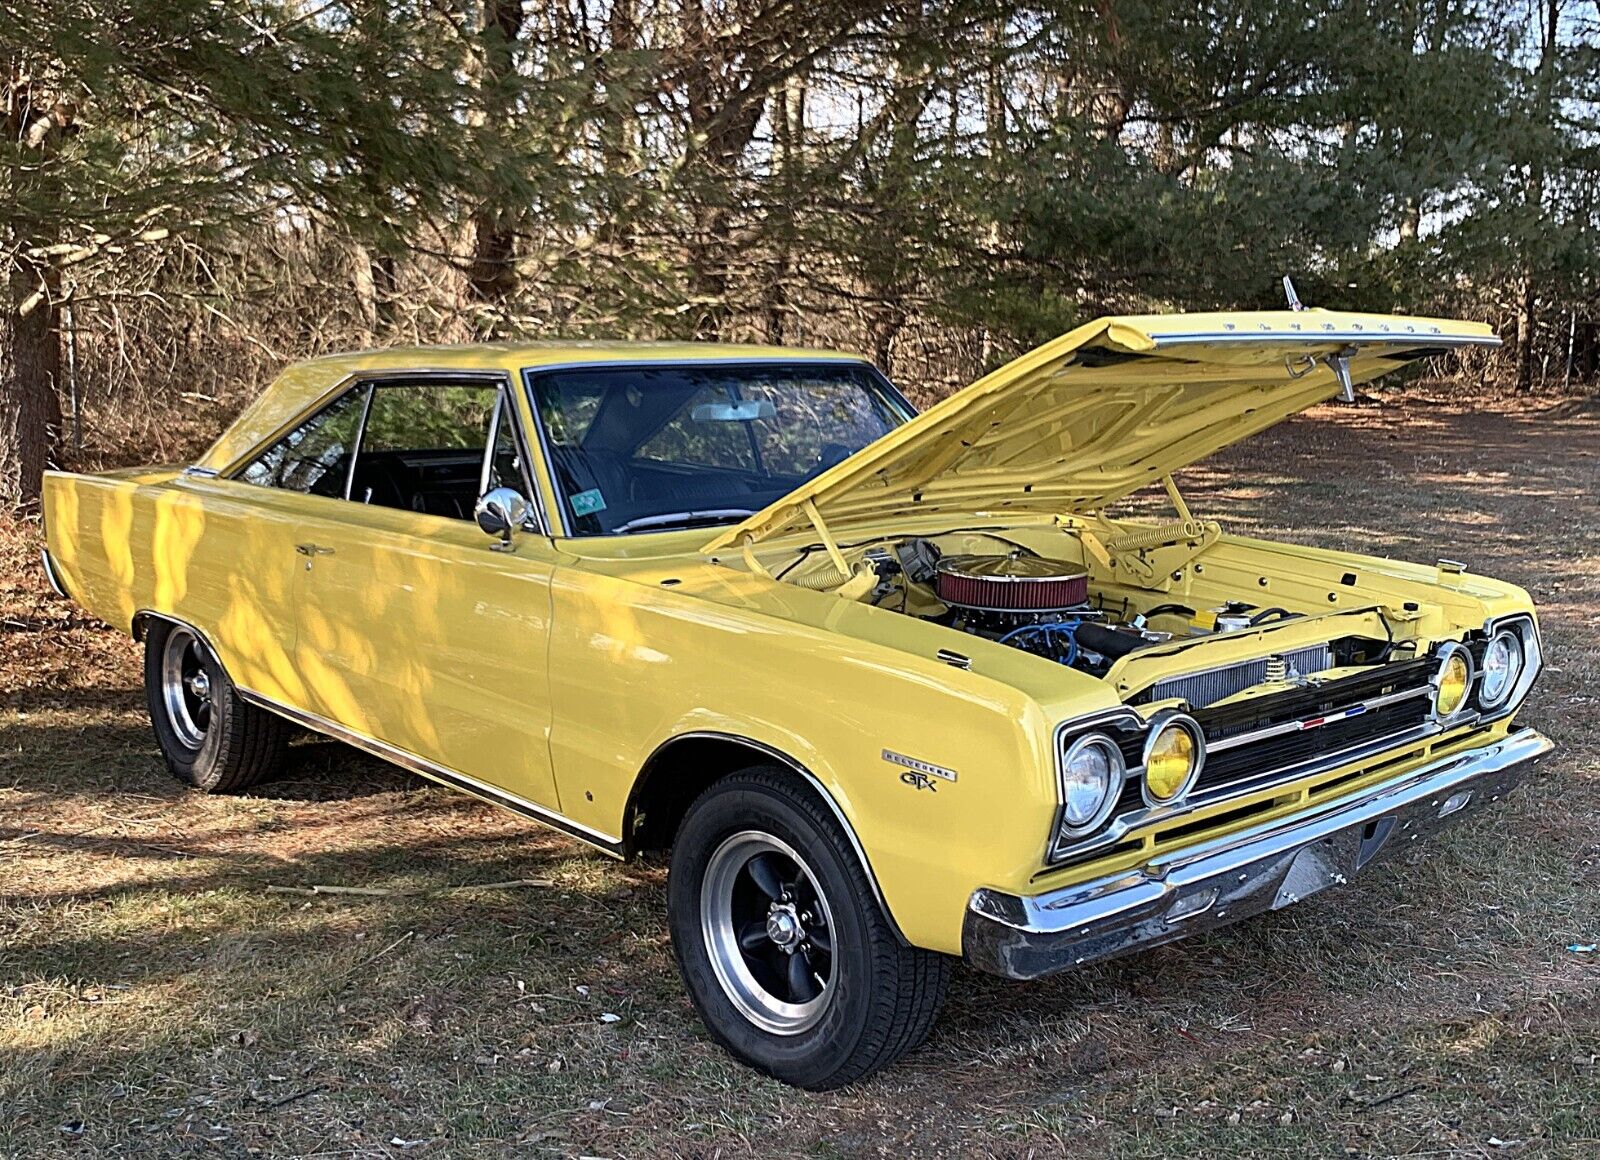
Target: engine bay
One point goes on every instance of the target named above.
(1071, 613)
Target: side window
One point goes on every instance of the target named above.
(706, 431)
(315, 457)
(427, 418)
(423, 449)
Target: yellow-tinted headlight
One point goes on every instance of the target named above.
(1454, 676)
(1170, 761)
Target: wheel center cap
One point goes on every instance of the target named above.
(200, 685)
(783, 926)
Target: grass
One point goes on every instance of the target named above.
(156, 998)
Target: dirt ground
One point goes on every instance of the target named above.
(157, 997)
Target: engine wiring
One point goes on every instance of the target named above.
(1046, 635)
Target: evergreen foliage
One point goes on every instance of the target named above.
(940, 184)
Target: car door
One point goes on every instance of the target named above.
(415, 631)
(246, 597)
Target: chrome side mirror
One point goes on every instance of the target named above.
(501, 512)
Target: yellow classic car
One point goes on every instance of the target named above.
(893, 689)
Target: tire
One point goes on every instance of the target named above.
(757, 844)
(210, 737)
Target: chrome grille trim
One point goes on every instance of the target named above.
(1227, 743)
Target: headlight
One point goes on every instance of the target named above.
(1502, 665)
(1091, 778)
(1172, 759)
(1451, 681)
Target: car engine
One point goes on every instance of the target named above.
(1036, 604)
(1047, 607)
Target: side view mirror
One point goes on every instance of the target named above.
(501, 512)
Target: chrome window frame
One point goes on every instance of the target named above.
(369, 381)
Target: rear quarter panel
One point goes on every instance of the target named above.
(198, 550)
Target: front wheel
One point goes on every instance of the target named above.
(785, 950)
(210, 737)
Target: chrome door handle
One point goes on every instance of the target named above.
(313, 550)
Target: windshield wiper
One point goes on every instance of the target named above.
(684, 519)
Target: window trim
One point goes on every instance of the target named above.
(368, 381)
(530, 375)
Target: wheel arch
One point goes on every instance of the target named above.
(140, 626)
(700, 759)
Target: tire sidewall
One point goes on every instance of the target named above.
(809, 1058)
(200, 767)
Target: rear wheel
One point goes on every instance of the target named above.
(210, 737)
(784, 948)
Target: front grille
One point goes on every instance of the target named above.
(1207, 688)
(1395, 708)
(1281, 754)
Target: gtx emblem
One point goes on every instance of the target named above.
(921, 772)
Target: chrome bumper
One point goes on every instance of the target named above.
(1234, 877)
(52, 575)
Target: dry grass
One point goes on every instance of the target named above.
(156, 999)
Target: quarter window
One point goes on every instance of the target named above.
(315, 457)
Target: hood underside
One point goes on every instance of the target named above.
(1098, 413)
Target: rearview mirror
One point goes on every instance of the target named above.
(742, 411)
(501, 512)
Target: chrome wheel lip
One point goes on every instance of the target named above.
(186, 687)
(728, 962)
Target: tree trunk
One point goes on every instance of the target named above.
(492, 272)
(30, 369)
(1543, 111)
(788, 125)
(1525, 317)
(30, 337)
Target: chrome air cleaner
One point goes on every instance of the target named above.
(1011, 583)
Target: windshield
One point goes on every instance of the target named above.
(649, 448)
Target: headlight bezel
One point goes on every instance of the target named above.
(1158, 725)
(1116, 780)
(1526, 631)
(1446, 653)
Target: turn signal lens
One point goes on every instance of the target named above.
(1171, 760)
(1454, 676)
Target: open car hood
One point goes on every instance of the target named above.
(1096, 414)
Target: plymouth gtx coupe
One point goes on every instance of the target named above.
(894, 689)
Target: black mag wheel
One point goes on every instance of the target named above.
(786, 952)
(767, 930)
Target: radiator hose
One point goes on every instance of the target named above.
(1108, 642)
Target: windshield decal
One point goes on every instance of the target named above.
(586, 503)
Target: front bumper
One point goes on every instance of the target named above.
(1234, 877)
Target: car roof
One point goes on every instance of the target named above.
(559, 352)
(308, 384)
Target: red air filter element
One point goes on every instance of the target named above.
(1014, 583)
